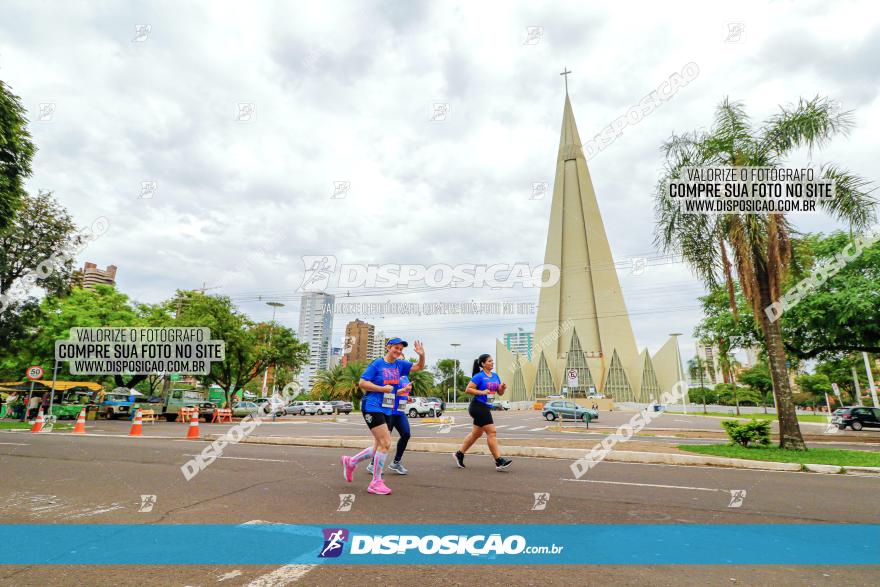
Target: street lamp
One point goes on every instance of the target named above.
(455, 346)
(275, 306)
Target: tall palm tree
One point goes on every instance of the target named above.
(423, 382)
(756, 247)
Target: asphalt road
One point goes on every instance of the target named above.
(61, 478)
(522, 425)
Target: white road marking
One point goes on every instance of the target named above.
(230, 575)
(517, 428)
(282, 576)
(247, 459)
(497, 426)
(15, 443)
(645, 485)
(538, 429)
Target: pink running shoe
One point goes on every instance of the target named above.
(348, 469)
(379, 488)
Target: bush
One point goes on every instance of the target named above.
(757, 431)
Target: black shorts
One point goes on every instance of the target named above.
(374, 419)
(481, 413)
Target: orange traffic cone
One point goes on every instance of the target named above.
(137, 425)
(193, 432)
(38, 423)
(80, 427)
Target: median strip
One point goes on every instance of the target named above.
(655, 458)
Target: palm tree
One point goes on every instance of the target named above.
(423, 382)
(338, 382)
(756, 247)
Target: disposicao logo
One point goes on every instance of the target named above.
(334, 541)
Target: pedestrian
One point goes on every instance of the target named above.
(483, 386)
(10, 404)
(45, 404)
(399, 420)
(381, 382)
(32, 407)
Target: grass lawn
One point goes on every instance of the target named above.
(815, 456)
(801, 418)
(15, 425)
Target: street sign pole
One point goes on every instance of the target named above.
(52, 393)
(27, 404)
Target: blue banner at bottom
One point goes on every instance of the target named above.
(430, 544)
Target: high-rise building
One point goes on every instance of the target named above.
(519, 342)
(335, 357)
(377, 349)
(315, 328)
(90, 276)
(583, 338)
(359, 341)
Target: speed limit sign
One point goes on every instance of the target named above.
(35, 372)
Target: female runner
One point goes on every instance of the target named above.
(483, 386)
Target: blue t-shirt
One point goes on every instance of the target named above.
(381, 373)
(486, 382)
(402, 398)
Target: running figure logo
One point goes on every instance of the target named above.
(319, 268)
(736, 498)
(541, 501)
(334, 541)
(346, 500)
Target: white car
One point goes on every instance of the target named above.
(419, 407)
(322, 408)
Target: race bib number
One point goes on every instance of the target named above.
(388, 400)
(401, 407)
(490, 398)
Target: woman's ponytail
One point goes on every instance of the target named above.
(478, 363)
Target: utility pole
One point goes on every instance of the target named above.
(455, 346)
(870, 380)
(275, 306)
(855, 377)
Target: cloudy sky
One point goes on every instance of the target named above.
(345, 92)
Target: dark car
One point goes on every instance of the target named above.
(857, 417)
(437, 399)
(341, 407)
(206, 410)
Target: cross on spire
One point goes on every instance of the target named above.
(564, 74)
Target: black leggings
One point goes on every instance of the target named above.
(401, 422)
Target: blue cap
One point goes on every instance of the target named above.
(396, 340)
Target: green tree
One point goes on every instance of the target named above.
(16, 153)
(36, 250)
(447, 376)
(755, 247)
(339, 382)
(697, 372)
(87, 308)
(841, 315)
(248, 350)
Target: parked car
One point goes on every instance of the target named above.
(298, 407)
(116, 405)
(857, 417)
(341, 407)
(270, 404)
(242, 409)
(440, 401)
(324, 408)
(419, 407)
(567, 411)
(501, 405)
(206, 410)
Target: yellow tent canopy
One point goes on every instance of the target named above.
(43, 385)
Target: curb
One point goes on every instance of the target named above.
(570, 454)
